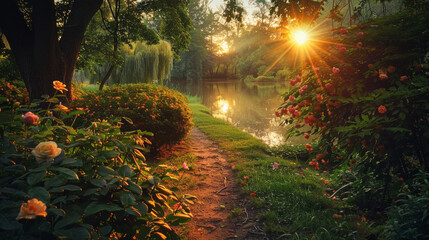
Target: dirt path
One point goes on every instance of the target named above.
(220, 211)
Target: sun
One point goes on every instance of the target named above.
(300, 37)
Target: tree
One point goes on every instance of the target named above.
(45, 36)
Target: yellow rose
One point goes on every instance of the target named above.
(46, 151)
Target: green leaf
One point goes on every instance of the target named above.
(98, 182)
(8, 225)
(125, 171)
(92, 191)
(55, 211)
(72, 113)
(35, 178)
(134, 188)
(59, 199)
(105, 230)
(127, 198)
(71, 162)
(67, 172)
(73, 233)
(133, 211)
(66, 187)
(67, 220)
(95, 207)
(106, 171)
(109, 154)
(40, 193)
(142, 208)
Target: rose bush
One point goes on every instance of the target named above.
(84, 182)
(369, 105)
(156, 109)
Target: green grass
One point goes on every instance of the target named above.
(291, 199)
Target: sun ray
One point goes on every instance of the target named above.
(277, 60)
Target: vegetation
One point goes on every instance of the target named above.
(146, 107)
(89, 181)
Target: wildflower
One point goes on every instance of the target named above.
(46, 151)
(302, 89)
(301, 173)
(403, 78)
(30, 118)
(359, 34)
(326, 182)
(31, 209)
(343, 31)
(60, 86)
(253, 194)
(298, 125)
(336, 216)
(306, 135)
(284, 111)
(277, 114)
(275, 166)
(382, 109)
(335, 70)
(243, 183)
(185, 166)
(359, 44)
(246, 177)
(291, 98)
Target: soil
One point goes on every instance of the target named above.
(221, 211)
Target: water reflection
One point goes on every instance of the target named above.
(250, 107)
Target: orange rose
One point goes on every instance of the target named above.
(60, 86)
(32, 209)
(382, 109)
(46, 151)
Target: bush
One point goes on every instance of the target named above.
(409, 217)
(369, 104)
(156, 109)
(83, 183)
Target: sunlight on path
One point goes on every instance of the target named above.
(220, 213)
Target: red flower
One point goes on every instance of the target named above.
(342, 50)
(277, 114)
(302, 89)
(306, 135)
(343, 31)
(382, 109)
(284, 111)
(253, 194)
(359, 34)
(319, 97)
(291, 109)
(298, 125)
(291, 98)
(335, 70)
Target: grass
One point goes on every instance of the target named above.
(291, 199)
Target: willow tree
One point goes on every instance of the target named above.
(45, 36)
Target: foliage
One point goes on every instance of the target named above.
(408, 217)
(98, 187)
(367, 100)
(156, 109)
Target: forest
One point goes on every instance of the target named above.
(208, 119)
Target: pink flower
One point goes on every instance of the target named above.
(292, 83)
(335, 70)
(30, 118)
(291, 98)
(403, 78)
(383, 76)
(359, 34)
(275, 166)
(302, 89)
(301, 173)
(298, 79)
(185, 166)
(343, 31)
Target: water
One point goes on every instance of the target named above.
(250, 107)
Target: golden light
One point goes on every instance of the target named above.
(300, 37)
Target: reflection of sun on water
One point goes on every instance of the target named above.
(221, 109)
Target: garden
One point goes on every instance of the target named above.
(106, 131)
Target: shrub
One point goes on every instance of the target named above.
(82, 183)
(368, 102)
(409, 217)
(156, 109)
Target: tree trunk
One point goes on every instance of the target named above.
(40, 56)
(106, 77)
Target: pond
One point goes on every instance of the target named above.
(250, 107)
